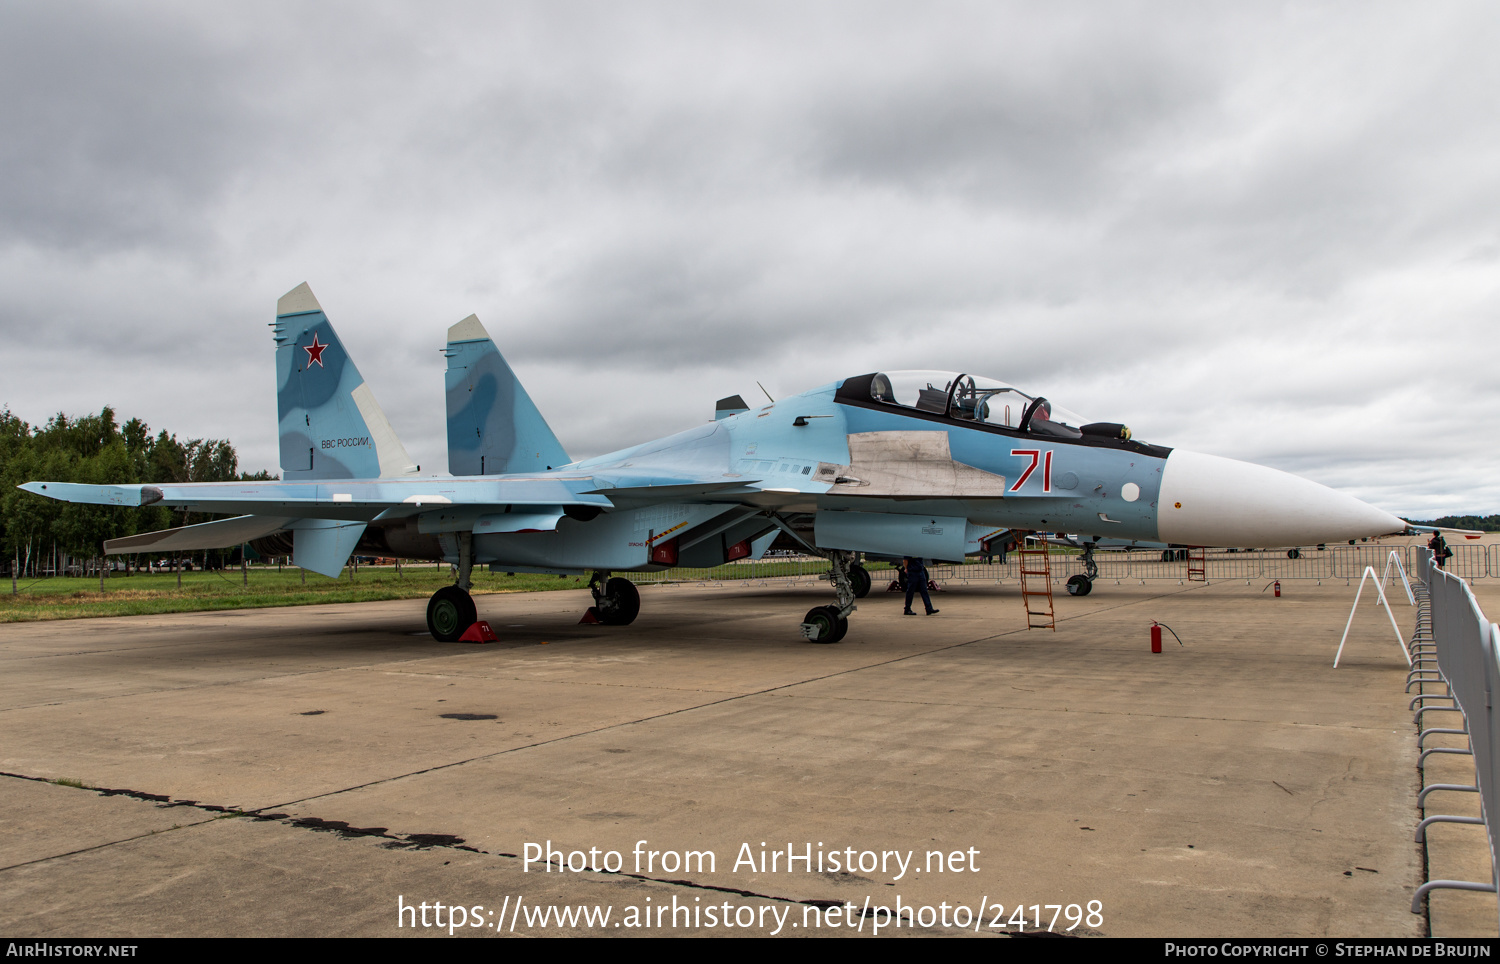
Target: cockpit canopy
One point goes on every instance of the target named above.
(975, 398)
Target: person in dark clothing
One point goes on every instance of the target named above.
(916, 581)
(1440, 550)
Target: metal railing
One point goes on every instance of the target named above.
(1456, 647)
(1334, 562)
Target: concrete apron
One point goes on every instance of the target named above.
(1234, 786)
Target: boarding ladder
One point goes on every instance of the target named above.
(1036, 570)
(1198, 565)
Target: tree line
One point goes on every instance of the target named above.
(1488, 523)
(37, 532)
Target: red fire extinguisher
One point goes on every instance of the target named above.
(1156, 629)
(1278, 589)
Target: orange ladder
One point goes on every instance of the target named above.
(1197, 565)
(1036, 562)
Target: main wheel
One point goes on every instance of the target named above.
(826, 620)
(1080, 585)
(1167, 555)
(450, 611)
(621, 603)
(1294, 553)
(860, 577)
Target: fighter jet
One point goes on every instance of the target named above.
(896, 463)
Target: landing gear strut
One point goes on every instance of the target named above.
(829, 624)
(451, 610)
(616, 601)
(1082, 585)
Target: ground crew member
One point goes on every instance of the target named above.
(916, 581)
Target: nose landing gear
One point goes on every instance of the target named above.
(829, 624)
(1083, 584)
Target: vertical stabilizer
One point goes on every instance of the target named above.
(493, 425)
(330, 424)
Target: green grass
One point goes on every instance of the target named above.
(67, 597)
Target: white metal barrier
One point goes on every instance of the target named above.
(1140, 565)
(1464, 647)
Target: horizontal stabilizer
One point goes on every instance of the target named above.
(205, 535)
(131, 495)
(324, 545)
(494, 427)
(347, 500)
(907, 465)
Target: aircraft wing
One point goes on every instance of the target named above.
(667, 489)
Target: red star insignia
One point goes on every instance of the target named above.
(314, 352)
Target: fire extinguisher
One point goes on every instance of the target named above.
(1156, 629)
(1278, 589)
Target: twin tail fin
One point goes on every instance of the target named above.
(494, 427)
(330, 425)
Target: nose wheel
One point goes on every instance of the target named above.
(829, 624)
(1080, 585)
(823, 624)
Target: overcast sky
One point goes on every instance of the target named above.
(1270, 233)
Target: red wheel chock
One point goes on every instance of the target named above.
(480, 632)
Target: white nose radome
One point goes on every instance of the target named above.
(1209, 501)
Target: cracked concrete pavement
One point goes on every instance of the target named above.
(300, 771)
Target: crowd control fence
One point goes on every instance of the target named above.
(1344, 563)
(1454, 648)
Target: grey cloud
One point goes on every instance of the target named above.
(122, 124)
(1208, 223)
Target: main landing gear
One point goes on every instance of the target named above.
(859, 578)
(616, 601)
(1083, 584)
(829, 624)
(451, 610)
